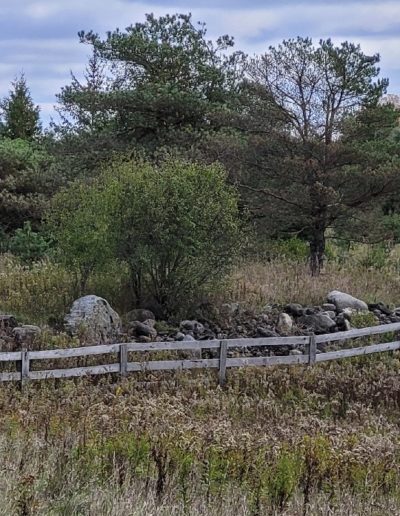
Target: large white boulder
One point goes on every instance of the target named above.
(92, 318)
(342, 300)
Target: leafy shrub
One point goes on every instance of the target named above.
(175, 226)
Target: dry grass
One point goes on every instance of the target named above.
(257, 284)
(289, 441)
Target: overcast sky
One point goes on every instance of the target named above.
(39, 37)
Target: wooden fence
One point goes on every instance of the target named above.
(24, 358)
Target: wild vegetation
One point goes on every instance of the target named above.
(180, 173)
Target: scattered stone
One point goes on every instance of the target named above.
(188, 338)
(294, 309)
(347, 313)
(384, 309)
(320, 323)
(140, 329)
(179, 336)
(328, 307)
(7, 322)
(194, 326)
(26, 333)
(93, 318)
(150, 322)
(285, 323)
(330, 313)
(144, 339)
(342, 300)
(265, 332)
(347, 325)
(295, 352)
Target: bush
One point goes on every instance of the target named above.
(28, 245)
(175, 226)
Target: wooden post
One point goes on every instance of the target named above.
(24, 366)
(123, 359)
(312, 350)
(223, 351)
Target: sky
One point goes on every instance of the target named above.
(39, 37)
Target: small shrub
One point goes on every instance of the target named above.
(28, 245)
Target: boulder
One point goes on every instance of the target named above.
(342, 300)
(285, 323)
(7, 322)
(294, 309)
(194, 326)
(381, 307)
(143, 329)
(319, 323)
(93, 317)
(26, 333)
(139, 314)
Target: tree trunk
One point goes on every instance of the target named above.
(317, 250)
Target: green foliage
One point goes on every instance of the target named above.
(19, 115)
(28, 245)
(77, 222)
(364, 320)
(176, 226)
(25, 182)
(316, 89)
(167, 85)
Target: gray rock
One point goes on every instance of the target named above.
(265, 332)
(330, 313)
(140, 329)
(93, 318)
(346, 325)
(179, 336)
(347, 313)
(295, 352)
(188, 338)
(285, 323)
(342, 300)
(381, 307)
(294, 309)
(26, 333)
(328, 307)
(194, 326)
(320, 323)
(139, 314)
(7, 322)
(150, 322)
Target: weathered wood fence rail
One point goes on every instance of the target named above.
(123, 366)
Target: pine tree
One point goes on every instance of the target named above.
(19, 115)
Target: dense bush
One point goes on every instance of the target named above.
(176, 227)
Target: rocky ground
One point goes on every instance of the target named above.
(93, 321)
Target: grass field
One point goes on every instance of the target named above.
(276, 441)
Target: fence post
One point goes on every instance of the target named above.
(223, 351)
(24, 366)
(123, 359)
(312, 350)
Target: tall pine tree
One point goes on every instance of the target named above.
(19, 115)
